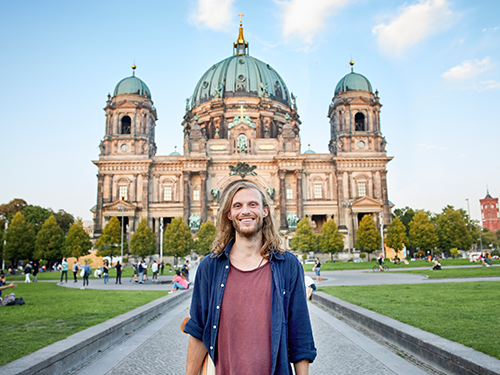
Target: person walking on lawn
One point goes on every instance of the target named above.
(27, 272)
(249, 310)
(75, 270)
(86, 273)
(119, 268)
(64, 269)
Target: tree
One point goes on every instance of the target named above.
(177, 239)
(489, 239)
(330, 240)
(49, 241)
(396, 235)
(36, 215)
(406, 216)
(206, 236)
(8, 210)
(367, 236)
(109, 244)
(77, 241)
(305, 240)
(422, 232)
(452, 231)
(64, 220)
(143, 242)
(20, 238)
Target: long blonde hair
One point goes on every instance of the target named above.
(271, 239)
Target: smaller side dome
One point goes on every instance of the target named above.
(175, 153)
(132, 85)
(353, 82)
(309, 151)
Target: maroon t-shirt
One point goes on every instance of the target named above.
(244, 337)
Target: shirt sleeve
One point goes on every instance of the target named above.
(199, 302)
(300, 337)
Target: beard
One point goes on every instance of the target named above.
(248, 232)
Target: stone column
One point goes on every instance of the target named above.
(186, 212)
(111, 197)
(283, 224)
(300, 200)
(349, 184)
(203, 196)
(385, 198)
(340, 199)
(145, 197)
(98, 211)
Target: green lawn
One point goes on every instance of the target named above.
(458, 272)
(52, 313)
(127, 272)
(340, 266)
(462, 312)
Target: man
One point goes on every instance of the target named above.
(162, 267)
(140, 272)
(185, 268)
(64, 270)
(154, 269)
(249, 308)
(36, 269)
(27, 272)
(75, 271)
(118, 267)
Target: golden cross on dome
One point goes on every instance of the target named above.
(241, 17)
(241, 111)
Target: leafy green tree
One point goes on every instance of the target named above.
(452, 231)
(177, 239)
(36, 215)
(305, 240)
(406, 216)
(20, 238)
(77, 241)
(8, 210)
(109, 243)
(367, 236)
(64, 220)
(206, 236)
(396, 235)
(330, 240)
(422, 232)
(49, 240)
(143, 241)
(489, 239)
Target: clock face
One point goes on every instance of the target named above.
(124, 147)
(361, 144)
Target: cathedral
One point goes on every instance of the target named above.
(242, 122)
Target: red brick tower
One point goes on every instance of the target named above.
(489, 212)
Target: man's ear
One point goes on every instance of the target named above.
(266, 211)
(229, 215)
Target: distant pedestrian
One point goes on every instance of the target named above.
(317, 269)
(36, 268)
(118, 273)
(154, 269)
(380, 261)
(27, 272)
(64, 269)
(75, 270)
(86, 273)
(162, 267)
(136, 266)
(185, 269)
(140, 272)
(105, 274)
(145, 266)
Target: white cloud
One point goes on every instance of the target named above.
(213, 14)
(489, 85)
(467, 69)
(305, 18)
(413, 24)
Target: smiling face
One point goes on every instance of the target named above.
(247, 213)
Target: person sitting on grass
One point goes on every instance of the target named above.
(437, 265)
(179, 281)
(9, 297)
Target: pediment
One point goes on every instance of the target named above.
(126, 104)
(367, 202)
(359, 100)
(113, 206)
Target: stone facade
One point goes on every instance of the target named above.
(229, 135)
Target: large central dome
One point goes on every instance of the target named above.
(240, 75)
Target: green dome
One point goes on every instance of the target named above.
(353, 82)
(240, 76)
(132, 85)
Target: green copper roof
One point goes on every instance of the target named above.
(240, 76)
(353, 82)
(132, 85)
(309, 152)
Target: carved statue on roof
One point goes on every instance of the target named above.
(219, 90)
(264, 93)
(292, 220)
(270, 192)
(194, 222)
(242, 143)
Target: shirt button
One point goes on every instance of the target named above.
(227, 267)
(222, 285)
(283, 292)
(215, 327)
(218, 307)
(211, 348)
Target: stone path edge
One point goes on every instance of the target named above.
(65, 354)
(451, 356)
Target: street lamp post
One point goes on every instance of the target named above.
(382, 231)
(4, 243)
(348, 205)
(122, 208)
(161, 240)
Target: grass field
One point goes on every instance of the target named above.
(462, 312)
(340, 266)
(52, 313)
(458, 272)
(127, 272)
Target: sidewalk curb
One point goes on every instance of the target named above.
(65, 354)
(446, 354)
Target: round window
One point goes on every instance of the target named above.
(205, 85)
(124, 147)
(361, 144)
(241, 61)
(241, 77)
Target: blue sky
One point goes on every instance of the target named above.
(435, 63)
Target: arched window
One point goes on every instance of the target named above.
(125, 125)
(359, 121)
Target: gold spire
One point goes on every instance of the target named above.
(351, 63)
(133, 69)
(241, 45)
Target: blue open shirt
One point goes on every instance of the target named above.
(291, 333)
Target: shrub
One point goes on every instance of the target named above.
(362, 256)
(329, 261)
(374, 260)
(494, 252)
(125, 260)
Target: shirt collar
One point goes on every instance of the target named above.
(225, 253)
